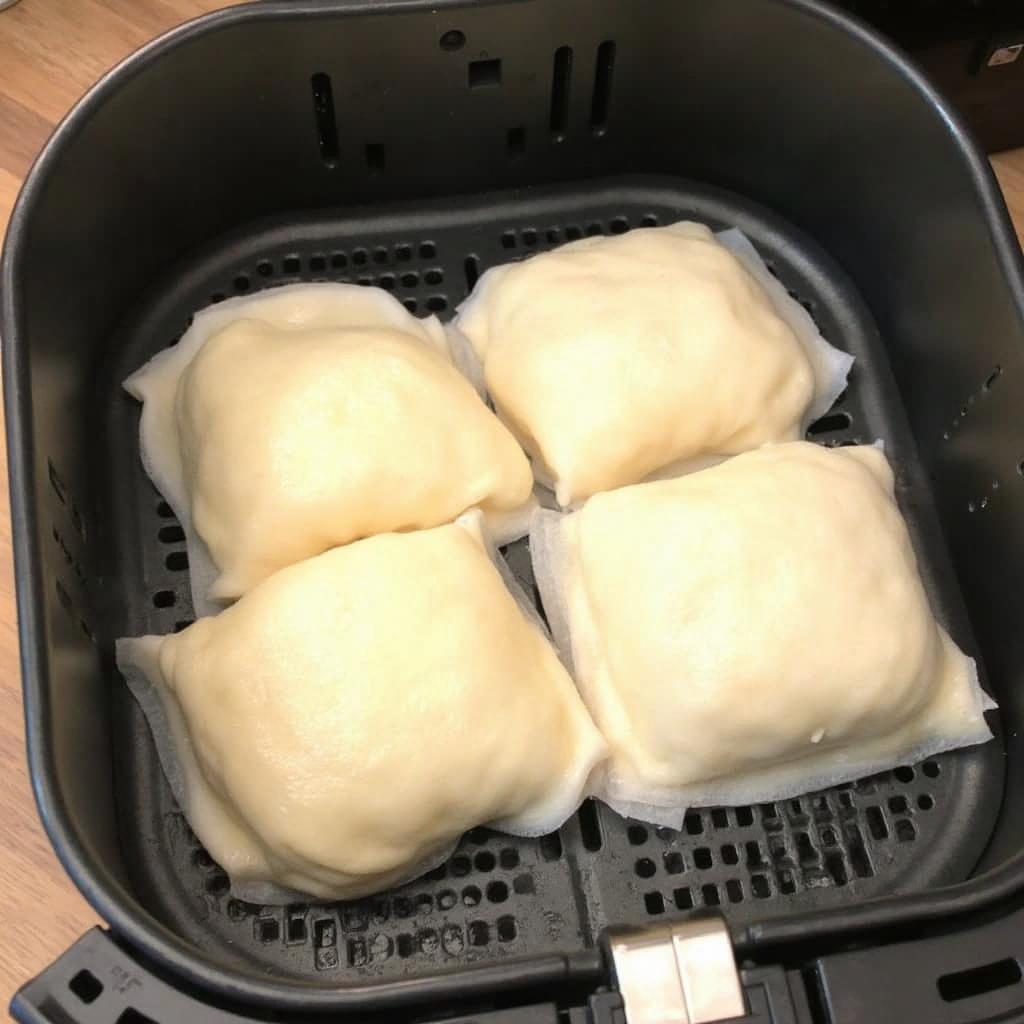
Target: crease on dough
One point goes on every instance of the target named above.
(154, 385)
(231, 841)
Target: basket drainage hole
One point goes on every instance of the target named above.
(177, 561)
(171, 534)
(86, 986)
(655, 903)
(523, 886)
(645, 867)
(637, 835)
(590, 826)
(471, 268)
(829, 424)
(497, 892)
(977, 981)
(164, 511)
(164, 599)
(925, 802)
(551, 846)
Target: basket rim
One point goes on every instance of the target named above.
(107, 897)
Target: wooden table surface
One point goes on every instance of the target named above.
(50, 52)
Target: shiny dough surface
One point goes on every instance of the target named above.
(612, 357)
(763, 615)
(311, 416)
(344, 722)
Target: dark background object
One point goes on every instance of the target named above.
(972, 49)
(418, 144)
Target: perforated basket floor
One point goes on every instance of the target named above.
(499, 896)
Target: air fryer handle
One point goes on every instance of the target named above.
(98, 981)
(967, 975)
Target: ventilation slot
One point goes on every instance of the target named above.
(323, 111)
(57, 484)
(551, 846)
(979, 980)
(86, 986)
(483, 73)
(516, 140)
(590, 826)
(375, 158)
(560, 92)
(471, 268)
(132, 1016)
(601, 99)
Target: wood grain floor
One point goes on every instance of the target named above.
(51, 51)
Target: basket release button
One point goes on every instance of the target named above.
(683, 973)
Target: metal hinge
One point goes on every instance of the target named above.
(681, 973)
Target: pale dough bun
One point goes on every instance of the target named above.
(753, 631)
(310, 416)
(611, 358)
(337, 729)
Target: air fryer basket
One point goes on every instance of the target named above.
(411, 147)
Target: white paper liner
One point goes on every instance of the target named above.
(553, 558)
(155, 385)
(228, 840)
(830, 365)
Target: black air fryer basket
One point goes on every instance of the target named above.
(412, 145)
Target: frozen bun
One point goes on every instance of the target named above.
(613, 358)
